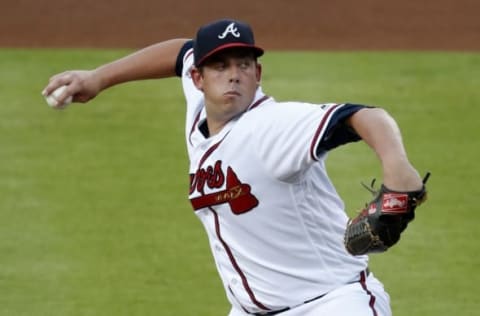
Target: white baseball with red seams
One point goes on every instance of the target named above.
(274, 220)
(52, 98)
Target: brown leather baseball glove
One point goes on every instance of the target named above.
(380, 223)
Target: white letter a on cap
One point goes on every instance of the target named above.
(231, 29)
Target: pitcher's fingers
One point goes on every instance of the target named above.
(67, 95)
(58, 80)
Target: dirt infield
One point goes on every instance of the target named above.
(279, 24)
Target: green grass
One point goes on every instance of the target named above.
(93, 209)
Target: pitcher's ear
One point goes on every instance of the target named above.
(197, 78)
(259, 73)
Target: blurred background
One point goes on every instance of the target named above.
(279, 24)
(94, 216)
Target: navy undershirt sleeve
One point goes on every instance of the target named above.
(181, 54)
(338, 131)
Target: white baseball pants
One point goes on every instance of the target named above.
(364, 298)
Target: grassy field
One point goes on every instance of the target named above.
(94, 218)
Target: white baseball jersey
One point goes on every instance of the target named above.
(274, 220)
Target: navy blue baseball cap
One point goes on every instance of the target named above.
(222, 34)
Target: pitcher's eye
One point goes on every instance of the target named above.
(244, 64)
(218, 65)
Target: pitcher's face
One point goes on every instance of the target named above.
(229, 80)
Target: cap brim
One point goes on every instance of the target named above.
(257, 50)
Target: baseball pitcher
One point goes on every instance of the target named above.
(278, 231)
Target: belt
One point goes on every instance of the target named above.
(270, 313)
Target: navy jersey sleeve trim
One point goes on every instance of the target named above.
(181, 54)
(338, 132)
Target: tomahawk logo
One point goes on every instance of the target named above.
(231, 29)
(236, 194)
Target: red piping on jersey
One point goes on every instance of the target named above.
(195, 122)
(319, 131)
(190, 52)
(197, 118)
(235, 264)
(210, 151)
(220, 238)
(363, 282)
(257, 103)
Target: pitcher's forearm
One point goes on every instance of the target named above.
(380, 131)
(153, 62)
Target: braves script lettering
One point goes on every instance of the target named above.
(211, 176)
(236, 194)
